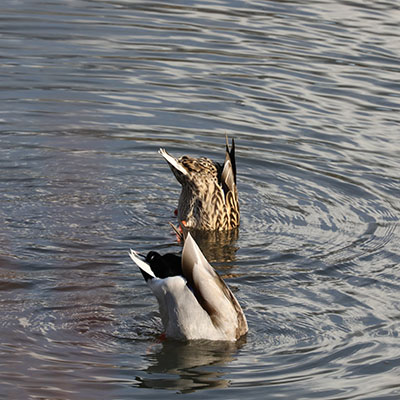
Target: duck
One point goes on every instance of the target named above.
(194, 301)
(209, 196)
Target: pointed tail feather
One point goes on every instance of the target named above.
(233, 159)
(228, 176)
(172, 161)
(144, 267)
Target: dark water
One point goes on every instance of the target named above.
(90, 90)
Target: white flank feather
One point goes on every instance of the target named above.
(212, 289)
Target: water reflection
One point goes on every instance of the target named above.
(218, 246)
(91, 90)
(189, 366)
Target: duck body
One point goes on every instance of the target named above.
(194, 301)
(209, 197)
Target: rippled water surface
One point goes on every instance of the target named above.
(90, 90)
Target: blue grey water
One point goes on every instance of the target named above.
(90, 89)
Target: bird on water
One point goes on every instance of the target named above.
(209, 196)
(194, 301)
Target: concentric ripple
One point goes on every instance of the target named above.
(91, 89)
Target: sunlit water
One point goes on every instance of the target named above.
(310, 91)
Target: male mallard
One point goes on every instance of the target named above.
(209, 198)
(194, 301)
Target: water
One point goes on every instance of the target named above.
(91, 89)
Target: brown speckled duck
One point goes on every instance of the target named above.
(209, 197)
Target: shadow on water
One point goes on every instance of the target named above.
(188, 366)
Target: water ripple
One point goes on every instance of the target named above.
(90, 91)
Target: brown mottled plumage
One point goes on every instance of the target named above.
(209, 198)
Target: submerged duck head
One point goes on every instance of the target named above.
(209, 199)
(194, 301)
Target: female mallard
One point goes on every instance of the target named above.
(194, 301)
(209, 198)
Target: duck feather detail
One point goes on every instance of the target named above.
(196, 304)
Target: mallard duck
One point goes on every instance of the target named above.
(209, 197)
(194, 301)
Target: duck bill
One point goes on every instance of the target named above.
(178, 170)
